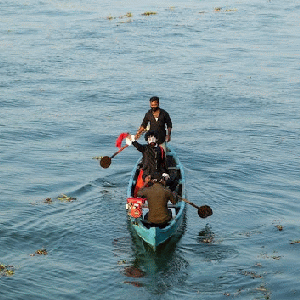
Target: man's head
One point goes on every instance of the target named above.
(156, 177)
(151, 137)
(154, 103)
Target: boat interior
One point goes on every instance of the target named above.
(174, 184)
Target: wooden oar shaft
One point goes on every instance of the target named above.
(121, 149)
(189, 202)
(204, 211)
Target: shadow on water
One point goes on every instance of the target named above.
(157, 271)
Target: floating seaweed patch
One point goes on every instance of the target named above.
(110, 18)
(6, 270)
(265, 291)
(252, 274)
(126, 21)
(217, 9)
(48, 200)
(206, 236)
(128, 15)
(231, 9)
(262, 289)
(66, 198)
(248, 234)
(149, 13)
(61, 197)
(208, 240)
(98, 157)
(42, 251)
(10, 272)
(276, 257)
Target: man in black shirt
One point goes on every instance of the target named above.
(154, 160)
(159, 119)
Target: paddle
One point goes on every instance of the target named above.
(204, 211)
(106, 160)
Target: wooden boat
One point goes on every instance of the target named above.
(154, 235)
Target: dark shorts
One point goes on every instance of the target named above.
(160, 225)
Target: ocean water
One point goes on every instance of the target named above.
(75, 74)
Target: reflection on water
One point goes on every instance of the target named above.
(134, 272)
(159, 270)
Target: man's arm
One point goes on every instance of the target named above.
(171, 196)
(138, 146)
(143, 126)
(168, 136)
(169, 126)
(141, 191)
(139, 132)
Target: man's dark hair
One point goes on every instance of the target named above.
(151, 133)
(156, 177)
(155, 98)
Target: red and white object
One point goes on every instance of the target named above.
(135, 206)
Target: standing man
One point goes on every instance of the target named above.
(158, 119)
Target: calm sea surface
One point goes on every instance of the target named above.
(75, 74)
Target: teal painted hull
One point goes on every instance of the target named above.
(155, 236)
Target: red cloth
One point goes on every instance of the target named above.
(139, 183)
(121, 137)
(162, 152)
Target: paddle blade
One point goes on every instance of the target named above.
(105, 162)
(204, 211)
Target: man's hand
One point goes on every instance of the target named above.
(165, 176)
(139, 132)
(168, 136)
(129, 139)
(148, 179)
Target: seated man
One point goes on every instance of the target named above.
(157, 196)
